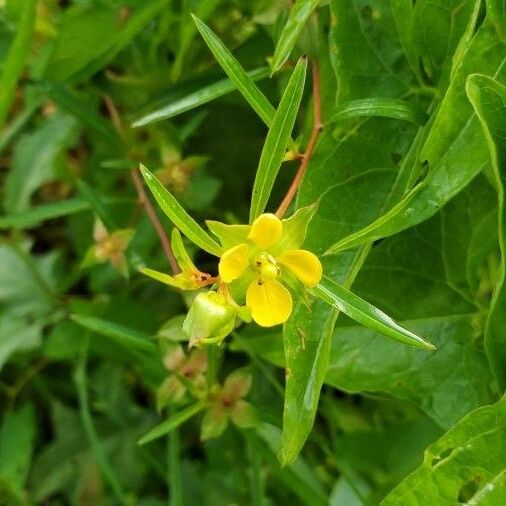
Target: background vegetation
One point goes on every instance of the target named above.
(408, 169)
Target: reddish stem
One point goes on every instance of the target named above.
(146, 203)
(306, 157)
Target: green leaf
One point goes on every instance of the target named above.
(14, 64)
(453, 148)
(37, 159)
(295, 229)
(187, 31)
(36, 215)
(433, 33)
(384, 107)
(467, 465)
(175, 281)
(181, 219)
(196, 99)
(445, 384)
(299, 477)
(361, 311)
(489, 101)
(277, 140)
(423, 296)
(228, 235)
(236, 73)
(172, 423)
(17, 435)
(127, 337)
(299, 14)
(306, 338)
(27, 298)
(182, 257)
(78, 52)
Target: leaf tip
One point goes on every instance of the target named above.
(142, 441)
(286, 457)
(136, 124)
(146, 174)
(430, 346)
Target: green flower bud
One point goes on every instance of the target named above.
(210, 318)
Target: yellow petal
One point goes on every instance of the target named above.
(266, 230)
(304, 264)
(233, 263)
(270, 302)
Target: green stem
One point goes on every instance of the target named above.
(175, 479)
(257, 486)
(80, 378)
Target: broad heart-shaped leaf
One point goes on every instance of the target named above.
(181, 219)
(366, 314)
(195, 99)
(13, 65)
(236, 73)
(385, 107)
(467, 465)
(489, 101)
(306, 338)
(453, 150)
(277, 140)
(299, 14)
(431, 32)
(408, 276)
(445, 384)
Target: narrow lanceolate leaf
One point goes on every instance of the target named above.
(384, 107)
(172, 423)
(181, 219)
(196, 99)
(366, 314)
(489, 101)
(299, 14)
(357, 238)
(465, 466)
(277, 140)
(242, 81)
(125, 336)
(306, 338)
(16, 58)
(36, 215)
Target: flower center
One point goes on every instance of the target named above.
(266, 266)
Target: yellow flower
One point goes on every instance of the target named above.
(265, 257)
